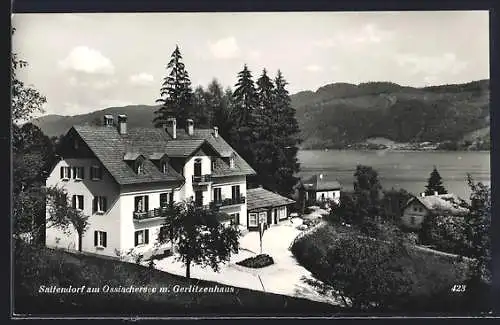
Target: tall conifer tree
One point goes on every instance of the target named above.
(287, 133)
(176, 95)
(435, 183)
(244, 102)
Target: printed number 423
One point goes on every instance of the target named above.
(458, 288)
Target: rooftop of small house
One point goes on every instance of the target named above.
(117, 147)
(321, 182)
(444, 204)
(260, 198)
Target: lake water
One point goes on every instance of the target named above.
(409, 170)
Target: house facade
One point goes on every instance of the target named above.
(319, 188)
(266, 207)
(427, 206)
(122, 177)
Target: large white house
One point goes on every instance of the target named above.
(121, 176)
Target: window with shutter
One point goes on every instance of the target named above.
(141, 237)
(100, 239)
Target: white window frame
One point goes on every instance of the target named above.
(255, 219)
(214, 189)
(140, 168)
(100, 204)
(142, 235)
(76, 171)
(100, 239)
(93, 172)
(281, 213)
(164, 167)
(66, 173)
(77, 201)
(231, 162)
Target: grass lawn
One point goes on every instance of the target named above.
(35, 267)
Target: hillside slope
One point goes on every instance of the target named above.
(55, 125)
(340, 114)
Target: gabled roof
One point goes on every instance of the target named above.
(130, 156)
(443, 204)
(157, 156)
(261, 198)
(111, 148)
(321, 182)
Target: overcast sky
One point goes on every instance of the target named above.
(85, 62)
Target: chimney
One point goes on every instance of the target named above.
(435, 193)
(216, 132)
(108, 120)
(422, 194)
(171, 127)
(122, 124)
(190, 126)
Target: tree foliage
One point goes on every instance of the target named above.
(176, 95)
(198, 235)
(26, 101)
(435, 183)
(478, 235)
(62, 215)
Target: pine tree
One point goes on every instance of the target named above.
(244, 102)
(435, 184)
(200, 107)
(265, 146)
(176, 93)
(287, 131)
(244, 98)
(215, 103)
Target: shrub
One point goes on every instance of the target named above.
(385, 274)
(257, 262)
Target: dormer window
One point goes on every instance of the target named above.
(164, 167)
(139, 167)
(75, 144)
(231, 161)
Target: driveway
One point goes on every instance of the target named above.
(283, 277)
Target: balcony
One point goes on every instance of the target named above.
(202, 179)
(155, 213)
(227, 202)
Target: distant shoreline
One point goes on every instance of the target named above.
(392, 150)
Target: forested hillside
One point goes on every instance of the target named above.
(340, 114)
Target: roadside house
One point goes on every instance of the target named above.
(420, 207)
(266, 207)
(319, 188)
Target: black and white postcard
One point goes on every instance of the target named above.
(230, 164)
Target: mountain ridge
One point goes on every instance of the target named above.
(338, 115)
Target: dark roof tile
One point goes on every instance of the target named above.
(261, 198)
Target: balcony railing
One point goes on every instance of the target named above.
(227, 202)
(198, 179)
(149, 214)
